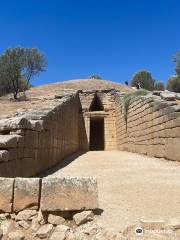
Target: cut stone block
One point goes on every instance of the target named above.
(61, 194)
(168, 96)
(4, 156)
(8, 141)
(26, 193)
(6, 194)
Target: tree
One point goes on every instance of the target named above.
(177, 61)
(18, 66)
(174, 84)
(95, 76)
(144, 79)
(159, 86)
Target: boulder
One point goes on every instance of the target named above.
(168, 96)
(44, 231)
(6, 194)
(26, 193)
(55, 220)
(26, 215)
(62, 194)
(16, 235)
(83, 217)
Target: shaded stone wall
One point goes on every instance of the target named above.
(107, 99)
(39, 139)
(152, 128)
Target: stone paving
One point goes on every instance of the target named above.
(131, 186)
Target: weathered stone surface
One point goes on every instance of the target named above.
(41, 217)
(24, 224)
(4, 156)
(35, 225)
(16, 235)
(6, 226)
(4, 216)
(55, 220)
(26, 193)
(1, 234)
(26, 215)
(69, 194)
(60, 233)
(172, 149)
(8, 141)
(83, 217)
(6, 194)
(174, 223)
(178, 96)
(168, 96)
(44, 231)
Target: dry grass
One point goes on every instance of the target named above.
(42, 95)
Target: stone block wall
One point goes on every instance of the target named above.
(152, 127)
(48, 194)
(40, 138)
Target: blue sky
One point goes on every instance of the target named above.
(112, 38)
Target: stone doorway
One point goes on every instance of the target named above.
(96, 134)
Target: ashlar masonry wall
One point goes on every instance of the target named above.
(40, 138)
(152, 127)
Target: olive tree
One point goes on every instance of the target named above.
(19, 65)
(144, 79)
(177, 61)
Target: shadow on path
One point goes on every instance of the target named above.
(62, 164)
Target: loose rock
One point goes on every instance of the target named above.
(60, 232)
(35, 225)
(26, 215)
(55, 220)
(83, 217)
(17, 235)
(24, 224)
(44, 231)
(6, 226)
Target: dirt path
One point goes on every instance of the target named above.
(131, 186)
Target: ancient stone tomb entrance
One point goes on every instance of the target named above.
(96, 133)
(98, 114)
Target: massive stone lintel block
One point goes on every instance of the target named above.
(26, 193)
(61, 194)
(6, 194)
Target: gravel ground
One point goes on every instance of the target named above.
(131, 186)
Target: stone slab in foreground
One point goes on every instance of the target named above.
(26, 193)
(64, 194)
(6, 194)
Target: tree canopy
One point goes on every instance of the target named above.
(159, 85)
(174, 84)
(177, 61)
(95, 76)
(144, 79)
(18, 66)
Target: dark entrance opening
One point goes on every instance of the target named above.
(96, 104)
(96, 134)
